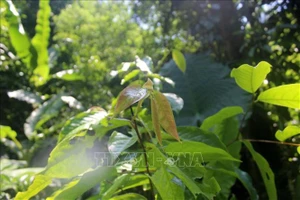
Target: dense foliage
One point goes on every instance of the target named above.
(150, 100)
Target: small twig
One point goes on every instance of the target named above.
(145, 153)
(272, 142)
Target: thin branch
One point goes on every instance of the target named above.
(272, 142)
(145, 153)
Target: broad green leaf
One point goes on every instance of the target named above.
(18, 37)
(165, 186)
(205, 89)
(129, 96)
(179, 59)
(117, 184)
(6, 131)
(208, 153)
(39, 116)
(220, 116)
(40, 182)
(285, 95)
(130, 76)
(134, 181)
(250, 78)
(81, 184)
(129, 196)
(68, 75)
(288, 132)
(40, 43)
(298, 149)
(165, 114)
(155, 120)
(118, 142)
(265, 171)
(247, 183)
(26, 96)
(175, 101)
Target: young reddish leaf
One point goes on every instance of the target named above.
(165, 114)
(155, 121)
(130, 95)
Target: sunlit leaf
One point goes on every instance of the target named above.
(165, 114)
(6, 131)
(83, 183)
(26, 96)
(165, 186)
(298, 149)
(129, 196)
(224, 113)
(72, 102)
(40, 182)
(40, 43)
(130, 76)
(250, 78)
(129, 96)
(68, 75)
(288, 132)
(265, 171)
(285, 95)
(155, 120)
(118, 183)
(179, 59)
(175, 101)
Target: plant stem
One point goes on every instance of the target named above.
(145, 153)
(272, 142)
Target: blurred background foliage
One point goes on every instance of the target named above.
(94, 45)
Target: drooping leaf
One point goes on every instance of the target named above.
(165, 114)
(18, 37)
(265, 171)
(288, 132)
(175, 101)
(83, 183)
(40, 42)
(224, 113)
(129, 196)
(40, 182)
(165, 186)
(118, 142)
(250, 78)
(179, 59)
(6, 131)
(208, 153)
(26, 96)
(155, 120)
(130, 95)
(205, 89)
(285, 95)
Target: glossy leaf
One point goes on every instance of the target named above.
(285, 95)
(208, 153)
(250, 78)
(175, 101)
(129, 96)
(118, 142)
(220, 116)
(6, 131)
(288, 132)
(165, 114)
(80, 185)
(40, 43)
(165, 186)
(129, 196)
(26, 96)
(179, 59)
(18, 37)
(265, 171)
(155, 120)
(40, 182)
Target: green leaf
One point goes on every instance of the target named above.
(129, 196)
(298, 149)
(247, 183)
(205, 89)
(40, 43)
(26, 96)
(165, 186)
(118, 142)
(18, 37)
(6, 131)
(117, 184)
(155, 120)
(250, 78)
(288, 132)
(40, 182)
(165, 114)
(224, 113)
(285, 95)
(129, 96)
(130, 76)
(179, 59)
(265, 171)
(175, 101)
(68, 75)
(83, 183)
(208, 153)
(134, 181)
